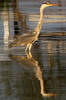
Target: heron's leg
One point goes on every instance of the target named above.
(27, 47)
(29, 55)
(27, 50)
(30, 45)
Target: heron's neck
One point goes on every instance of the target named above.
(39, 25)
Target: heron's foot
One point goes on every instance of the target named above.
(28, 53)
(28, 49)
(48, 94)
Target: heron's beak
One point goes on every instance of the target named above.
(53, 4)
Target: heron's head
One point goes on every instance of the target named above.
(47, 4)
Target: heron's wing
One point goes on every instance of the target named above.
(23, 40)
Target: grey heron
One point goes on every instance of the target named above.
(30, 37)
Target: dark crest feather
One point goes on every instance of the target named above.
(46, 3)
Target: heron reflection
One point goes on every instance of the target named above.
(32, 66)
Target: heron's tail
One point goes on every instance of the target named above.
(11, 45)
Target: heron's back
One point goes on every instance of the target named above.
(23, 40)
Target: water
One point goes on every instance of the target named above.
(42, 75)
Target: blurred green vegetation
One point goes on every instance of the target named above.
(4, 1)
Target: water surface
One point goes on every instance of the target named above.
(42, 75)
